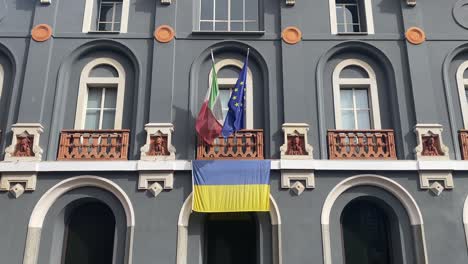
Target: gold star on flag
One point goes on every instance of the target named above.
(236, 104)
(235, 90)
(234, 97)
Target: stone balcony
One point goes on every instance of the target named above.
(361, 144)
(94, 145)
(245, 144)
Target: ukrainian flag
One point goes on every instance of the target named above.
(231, 186)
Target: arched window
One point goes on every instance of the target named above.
(89, 234)
(351, 16)
(228, 71)
(231, 238)
(101, 95)
(355, 96)
(106, 16)
(462, 83)
(366, 233)
(1, 80)
(229, 15)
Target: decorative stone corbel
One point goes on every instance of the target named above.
(25, 143)
(166, 2)
(17, 183)
(296, 145)
(152, 180)
(46, 2)
(158, 142)
(430, 143)
(411, 2)
(436, 181)
(288, 176)
(290, 2)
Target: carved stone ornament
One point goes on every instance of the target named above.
(430, 144)
(17, 183)
(156, 182)
(291, 179)
(290, 2)
(25, 143)
(158, 142)
(291, 35)
(164, 34)
(436, 181)
(41, 33)
(415, 35)
(295, 142)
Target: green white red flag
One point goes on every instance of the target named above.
(208, 124)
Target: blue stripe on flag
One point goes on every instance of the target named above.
(224, 172)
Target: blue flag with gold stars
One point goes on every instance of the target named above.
(235, 117)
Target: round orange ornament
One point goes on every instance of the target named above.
(41, 32)
(291, 35)
(415, 35)
(164, 34)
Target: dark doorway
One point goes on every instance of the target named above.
(366, 233)
(90, 234)
(231, 238)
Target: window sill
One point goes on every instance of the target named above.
(352, 34)
(207, 32)
(103, 32)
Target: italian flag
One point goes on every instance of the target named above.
(208, 126)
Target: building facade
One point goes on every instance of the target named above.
(361, 106)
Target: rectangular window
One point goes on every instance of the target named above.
(224, 96)
(100, 108)
(109, 15)
(355, 108)
(350, 16)
(229, 15)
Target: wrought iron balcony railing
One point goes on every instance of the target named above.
(93, 145)
(361, 144)
(245, 144)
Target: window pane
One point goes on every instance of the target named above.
(237, 9)
(108, 119)
(466, 93)
(346, 98)
(206, 12)
(94, 97)
(105, 27)
(356, 28)
(341, 28)
(363, 119)
(118, 12)
(339, 14)
(206, 26)
(224, 96)
(362, 99)
(92, 119)
(221, 26)
(347, 119)
(221, 9)
(111, 98)
(351, 14)
(237, 26)
(251, 10)
(107, 11)
(251, 26)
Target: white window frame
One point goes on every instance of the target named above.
(232, 82)
(2, 74)
(86, 81)
(229, 20)
(368, 17)
(370, 83)
(90, 21)
(462, 84)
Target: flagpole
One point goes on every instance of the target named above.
(212, 57)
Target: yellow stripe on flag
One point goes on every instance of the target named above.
(231, 198)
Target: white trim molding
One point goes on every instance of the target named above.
(183, 224)
(462, 84)
(387, 184)
(287, 176)
(249, 122)
(90, 16)
(370, 83)
(369, 17)
(113, 82)
(465, 219)
(2, 77)
(16, 183)
(31, 133)
(47, 200)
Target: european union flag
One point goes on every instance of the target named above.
(236, 114)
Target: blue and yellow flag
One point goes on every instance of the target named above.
(231, 186)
